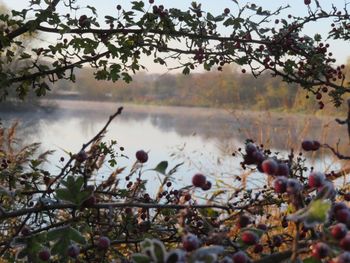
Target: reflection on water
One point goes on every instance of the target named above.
(203, 138)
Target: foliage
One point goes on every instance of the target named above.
(147, 29)
(299, 215)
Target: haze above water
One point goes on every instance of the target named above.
(202, 138)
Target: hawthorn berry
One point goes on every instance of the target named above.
(320, 250)
(73, 251)
(282, 169)
(44, 254)
(347, 196)
(345, 243)
(316, 179)
(240, 257)
(84, 21)
(258, 157)
(250, 148)
(307, 2)
(293, 186)
(207, 186)
(342, 216)
(280, 184)
(342, 258)
(226, 11)
(190, 242)
(243, 221)
(277, 240)
(269, 166)
(199, 180)
(249, 238)
(81, 156)
(258, 248)
(308, 145)
(142, 156)
(339, 231)
(103, 242)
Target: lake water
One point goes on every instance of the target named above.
(204, 139)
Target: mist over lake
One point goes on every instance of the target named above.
(204, 139)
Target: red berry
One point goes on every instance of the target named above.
(342, 216)
(190, 242)
(280, 184)
(342, 258)
(307, 2)
(258, 157)
(199, 180)
(347, 197)
(103, 243)
(338, 206)
(250, 148)
(345, 243)
(73, 251)
(44, 254)
(142, 156)
(315, 145)
(293, 186)
(308, 145)
(81, 156)
(283, 169)
(227, 11)
(84, 21)
(339, 231)
(207, 186)
(258, 248)
(243, 221)
(316, 179)
(277, 241)
(269, 166)
(151, 1)
(249, 238)
(320, 250)
(240, 257)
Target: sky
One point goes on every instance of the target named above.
(340, 49)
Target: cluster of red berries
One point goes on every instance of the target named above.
(200, 180)
(309, 145)
(340, 235)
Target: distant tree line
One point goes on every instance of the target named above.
(226, 88)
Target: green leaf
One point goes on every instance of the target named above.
(76, 236)
(186, 71)
(138, 5)
(316, 213)
(159, 250)
(65, 195)
(161, 167)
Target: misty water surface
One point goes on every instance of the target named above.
(204, 139)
